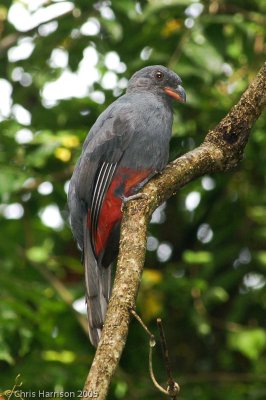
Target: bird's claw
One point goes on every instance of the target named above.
(126, 199)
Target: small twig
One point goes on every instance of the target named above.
(165, 350)
(156, 384)
(152, 344)
(146, 329)
(173, 387)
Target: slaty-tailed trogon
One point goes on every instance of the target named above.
(126, 146)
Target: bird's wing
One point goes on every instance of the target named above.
(102, 151)
(103, 178)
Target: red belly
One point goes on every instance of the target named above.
(111, 212)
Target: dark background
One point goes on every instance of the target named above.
(206, 258)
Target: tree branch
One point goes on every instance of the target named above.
(221, 150)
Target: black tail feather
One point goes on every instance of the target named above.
(98, 289)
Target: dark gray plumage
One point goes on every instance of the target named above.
(125, 147)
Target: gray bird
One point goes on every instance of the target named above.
(126, 146)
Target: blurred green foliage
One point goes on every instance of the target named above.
(206, 263)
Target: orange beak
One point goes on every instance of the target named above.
(178, 94)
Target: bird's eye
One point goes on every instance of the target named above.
(159, 75)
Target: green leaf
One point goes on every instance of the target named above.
(205, 55)
(37, 254)
(11, 179)
(251, 343)
(216, 294)
(65, 356)
(197, 257)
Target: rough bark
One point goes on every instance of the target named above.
(221, 150)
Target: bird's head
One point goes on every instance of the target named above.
(159, 80)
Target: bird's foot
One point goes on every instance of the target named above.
(126, 199)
